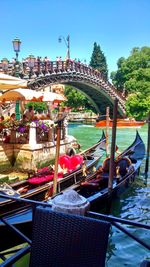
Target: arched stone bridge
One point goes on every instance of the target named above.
(84, 78)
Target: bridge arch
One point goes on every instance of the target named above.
(84, 78)
(94, 94)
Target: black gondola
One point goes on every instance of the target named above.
(37, 191)
(127, 165)
(23, 218)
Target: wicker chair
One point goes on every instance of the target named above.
(145, 263)
(64, 240)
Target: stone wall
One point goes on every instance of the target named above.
(86, 116)
(23, 157)
(6, 157)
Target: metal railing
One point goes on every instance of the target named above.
(45, 72)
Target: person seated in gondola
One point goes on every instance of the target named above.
(99, 173)
(105, 166)
(122, 166)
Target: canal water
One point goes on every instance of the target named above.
(133, 204)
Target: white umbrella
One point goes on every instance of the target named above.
(52, 97)
(31, 95)
(8, 82)
(20, 94)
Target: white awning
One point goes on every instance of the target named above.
(8, 82)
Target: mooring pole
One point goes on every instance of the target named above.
(112, 157)
(148, 146)
(113, 146)
(59, 126)
(57, 158)
(107, 131)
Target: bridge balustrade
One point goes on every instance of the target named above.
(44, 68)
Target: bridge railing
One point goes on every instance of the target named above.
(53, 67)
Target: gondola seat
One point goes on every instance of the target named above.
(93, 184)
(65, 240)
(88, 157)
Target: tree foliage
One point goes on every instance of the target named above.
(38, 106)
(98, 60)
(76, 100)
(138, 105)
(133, 74)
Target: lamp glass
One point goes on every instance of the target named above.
(16, 44)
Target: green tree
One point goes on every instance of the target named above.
(98, 60)
(76, 100)
(137, 105)
(38, 106)
(117, 76)
(133, 74)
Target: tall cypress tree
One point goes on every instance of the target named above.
(98, 60)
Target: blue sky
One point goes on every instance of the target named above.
(116, 25)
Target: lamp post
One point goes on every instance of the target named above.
(16, 45)
(31, 63)
(67, 43)
(5, 64)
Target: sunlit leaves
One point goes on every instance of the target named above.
(134, 74)
(137, 105)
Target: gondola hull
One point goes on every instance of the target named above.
(99, 197)
(37, 192)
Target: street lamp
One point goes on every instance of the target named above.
(67, 43)
(31, 63)
(5, 64)
(16, 45)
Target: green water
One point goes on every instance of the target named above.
(133, 204)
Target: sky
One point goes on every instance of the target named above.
(116, 25)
